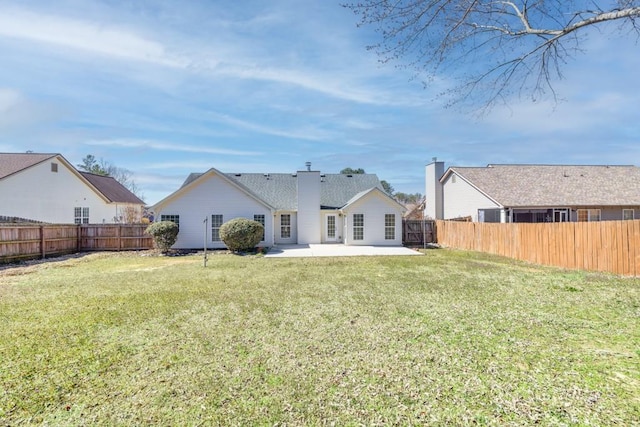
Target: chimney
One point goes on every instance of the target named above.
(308, 215)
(434, 197)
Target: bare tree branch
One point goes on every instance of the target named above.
(489, 50)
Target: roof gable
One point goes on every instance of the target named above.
(375, 191)
(11, 163)
(554, 185)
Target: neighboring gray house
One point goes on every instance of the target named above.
(300, 208)
(533, 193)
(47, 188)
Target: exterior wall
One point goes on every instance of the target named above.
(339, 226)
(309, 219)
(608, 213)
(434, 191)
(213, 196)
(39, 194)
(374, 207)
(462, 199)
(278, 239)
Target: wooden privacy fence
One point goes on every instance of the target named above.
(607, 246)
(418, 232)
(19, 242)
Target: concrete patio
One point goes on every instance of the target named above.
(328, 250)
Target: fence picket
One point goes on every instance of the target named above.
(607, 246)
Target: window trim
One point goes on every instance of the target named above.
(358, 226)
(216, 222)
(175, 218)
(261, 218)
(633, 214)
(285, 228)
(390, 228)
(81, 215)
(592, 215)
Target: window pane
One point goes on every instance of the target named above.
(627, 214)
(285, 226)
(390, 226)
(358, 226)
(216, 222)
(260, 219)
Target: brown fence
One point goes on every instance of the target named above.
(18, 242)
(608, 246)
(418, 232)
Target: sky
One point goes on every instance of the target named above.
(165, 88)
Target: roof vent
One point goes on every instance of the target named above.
(238, 174)
(308, 165)
(266, 175)
(349, 176)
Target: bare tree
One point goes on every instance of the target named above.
(492, 49)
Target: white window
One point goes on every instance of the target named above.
(285, 226)
(260, 219)
(216, 222)
(358, 226)
(81, 215)
(389, 226)
(627, 214)
(588, 214)
(173, 218)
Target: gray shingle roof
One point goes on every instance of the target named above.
(280, 189)
(556, 185)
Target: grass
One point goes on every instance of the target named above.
(447, 338)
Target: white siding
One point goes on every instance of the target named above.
(462, 199)
(214, 195)
(309, 218)
(374, 207)
(39, 194)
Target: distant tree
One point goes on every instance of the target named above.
(388, 188)
(408, 197)
(90, 164)
(491, 50)
(351, 171)
(101, 167)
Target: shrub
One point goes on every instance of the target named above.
(164, 233)
(241, 234)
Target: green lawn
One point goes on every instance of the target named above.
(447, 338)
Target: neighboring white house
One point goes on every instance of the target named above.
(47, 188)
(300, 208)
(533, 193)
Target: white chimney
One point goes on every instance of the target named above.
(434, 197)
(309, 218)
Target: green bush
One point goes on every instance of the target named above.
(164, 233)
(241, 234)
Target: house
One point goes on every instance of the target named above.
(47, 188)
(300, 208)
(533, 193)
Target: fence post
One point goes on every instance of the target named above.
(43, 247)
(79, 238)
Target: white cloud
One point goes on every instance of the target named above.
(166, 146)
(88, 36)
(307, 133)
